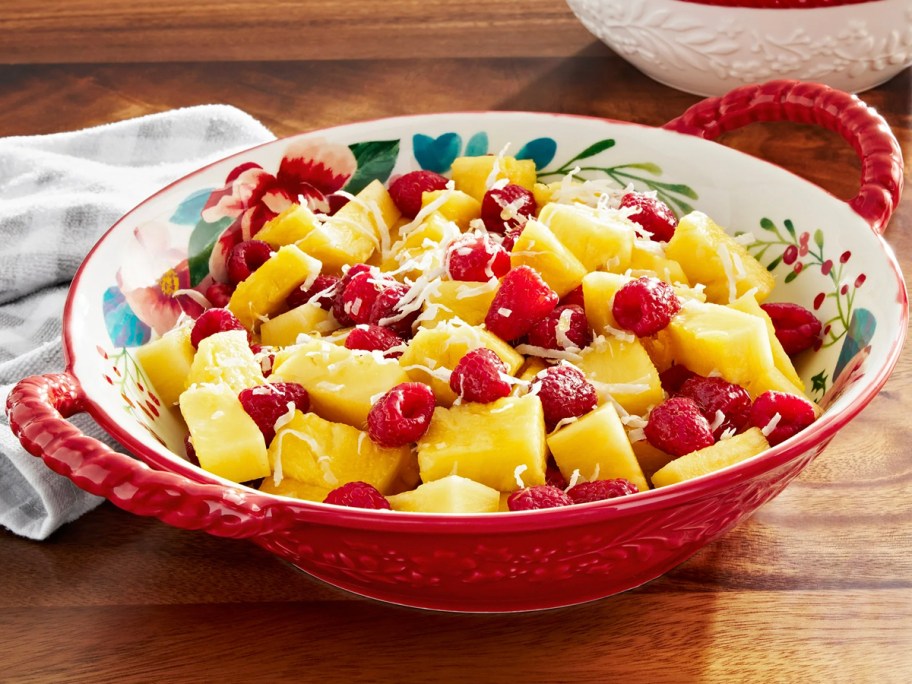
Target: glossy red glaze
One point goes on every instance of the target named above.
(812, 103)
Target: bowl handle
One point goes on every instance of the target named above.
(813, 103)
(37, 407)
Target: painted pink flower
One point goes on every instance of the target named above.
(156, 305)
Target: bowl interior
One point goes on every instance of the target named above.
(823, 255)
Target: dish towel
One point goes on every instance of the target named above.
(58, 194)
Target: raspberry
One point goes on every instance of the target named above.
(219, 294)
(358, 495)
(338, 305)
(478, 377)
(564, 393)
(267, 403)
(402, 415)
(598, 490)
(359, 295)
(677, 427)
(564, 328)
(387, 306)
(795, 414)
(522, 299)
(373, 337)
(324, 285)
(554, 477)
(406, 191)
(797, 328)
(506, 208)
(245, 258)
(537, 497)
(645, 306)
(213, 321)
(191, 452)
(673, 377)
(476, 258)
(651, 213)
(716, 394)
(510, 238)
(574, 297)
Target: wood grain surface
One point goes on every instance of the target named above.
(815, 587)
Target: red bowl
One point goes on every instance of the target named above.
(508, 561)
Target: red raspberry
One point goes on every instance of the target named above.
(599, 490)
(574, 297)
(338, 305)
(510, 238)
(645, 306)
(406, 191)
(388, 305)
(564, 393)
(653, 214)
(550, 331)
(213, 321)
(324, 285)
(373, 337)
(506, 208)
(476, 258)
(245, 258)
(267, 403)
(716, 394)
(191, 452)
(796, 327)
(673, 377)
(537, 497)
(522, 299)
(478, 377)
(360, 293)
(402, 415)
(795, 414)
(358, 495)
(219, 294)
(677, 427)
(554, 477)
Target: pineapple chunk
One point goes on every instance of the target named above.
(434, 352)
(341, 382)
(264, 291)
(455, 299)
(452, 494)
(599, 238)
(532, 367)
(471, 174)
(423, 246)
(598, 297)
(781, 360)
(539, 248)
(649, 457)
(226, 358)
(283, 330)
(597, 446)
(648, 258)
(227, 441)
(166, 362)
(457, 206)
(322, 453)
(291, 225)
(353, 233)
(295, 489)
(710, 256)
(622, 370)
(720, 455)
(501, 444)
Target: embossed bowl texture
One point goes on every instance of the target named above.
(708, 47)
(827, 254)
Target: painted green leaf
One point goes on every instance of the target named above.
(790, 276)
(818, 238)
(202, 240)
(376, 160)
(593, 150)
(678, 189)
(766, 224)
(789, 226)
(775, 262)
(648, 167)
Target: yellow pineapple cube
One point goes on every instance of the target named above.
(291, 225)
(226, 358)
(166, 362)
(294, 489)
(451, 494)
(781, 360)
(599, 238)
(342, 383)
(424, 246)
(501, 444)
(544, 193)
(649, 457)
(621, 369)
(597, 446)
(457, 206)
(264, 291)
(472, 174)
(226, 440)
(283, 330)
(322, 453)
(648, 258)
(599, 289)
(660, 350)
(352, 234)
(434, 352)
(720, 455)
(710, 256)
(451, 299)
(532, 367)
(539, 248)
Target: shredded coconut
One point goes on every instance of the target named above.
(517, 472)
(770, 426)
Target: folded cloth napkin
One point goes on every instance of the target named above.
(58, 195)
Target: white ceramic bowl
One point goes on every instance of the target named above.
(708, 49)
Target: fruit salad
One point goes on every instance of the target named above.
(483, 343)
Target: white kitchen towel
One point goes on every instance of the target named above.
(58, 194)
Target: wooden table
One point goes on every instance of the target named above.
(816, 587)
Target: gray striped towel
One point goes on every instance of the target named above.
(58, 195)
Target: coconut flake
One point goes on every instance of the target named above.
(517, 472)
(726, 260)
(718, 419)
(544, 353)
(771, 425)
